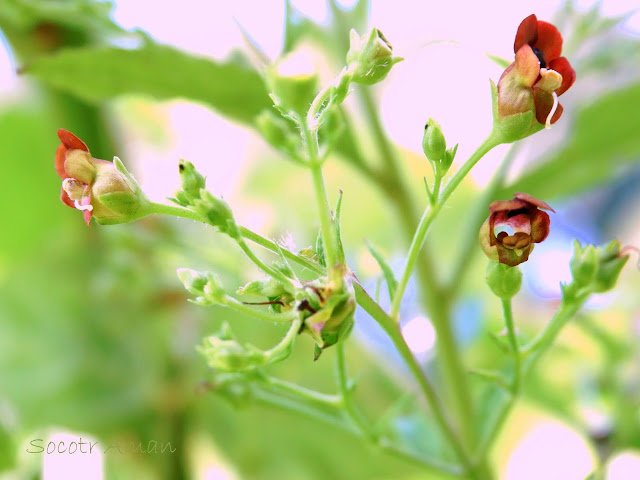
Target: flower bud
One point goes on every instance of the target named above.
(223, 352)
(433, 143)
(611, 260)
(503, 280)
(102, 190)
(191, 180)
(218, 213)
(584, 263)
(206, 286)
(370, 57)
(293, 82)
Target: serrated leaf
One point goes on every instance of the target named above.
(392, 283)
(97, 74)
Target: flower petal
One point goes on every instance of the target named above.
(564, 68)
(527, 65)
(61, 154)
(540, 223)
(70, 141)
(503, 205)
(544, 104)
(64, 196)
(533, 200)
(549, 41)
(527, 32)
(79, 165)
(513, 257)
(86, 200)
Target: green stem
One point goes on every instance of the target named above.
(263, 266)
(513, 341)
(391, 327)
(287, 341)
(429, 215)
(323, 408)
(175, 211)
(346, 393)
(261, 314)
(531, 353)
(322, 200)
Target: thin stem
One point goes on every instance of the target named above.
(270, 245)
(287, 341)
(176, 211)
(257, 313)
(429, 215)
(323, 408)
(390, 326)
(513, 341)
(322, 200)
(263, 266)
(531, 353)
(346, 393)
(318, 398)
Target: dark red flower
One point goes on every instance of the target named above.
(520, 224)
(539, 74)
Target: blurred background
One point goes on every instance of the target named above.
(96, 337)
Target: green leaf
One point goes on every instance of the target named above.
(392, 283)
(79, 14)
(500, 61)
(7, 449)
(603, 140)
(97, 73)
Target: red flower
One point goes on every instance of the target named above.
(102, 190)
(528, 223)
(539, 74)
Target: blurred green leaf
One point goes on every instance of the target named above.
(98, 74)
(81, 14)
(601, 143)
(392, 283)
(7, 449)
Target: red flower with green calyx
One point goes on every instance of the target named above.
(102, 190)
(512, 229)
(538, 76)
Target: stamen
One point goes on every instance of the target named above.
(83, 207)
(553, 110)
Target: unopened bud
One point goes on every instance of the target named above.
(584, 263)
(433, 141)
(370, 57)
(503, 280)
(611, 260)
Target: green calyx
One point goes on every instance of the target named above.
(503, 280)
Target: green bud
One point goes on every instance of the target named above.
(610, 264)
(218, 213)
(270, 288)
(503, 280)
(293, 82)
(448, 157)
(223, 352)
(370, 57)
(584, 263)
(192, 181)
(206, 286)
(433, 142)
(192, 280)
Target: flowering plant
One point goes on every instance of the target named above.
(448, 403)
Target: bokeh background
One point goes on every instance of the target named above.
(96, 337)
